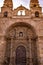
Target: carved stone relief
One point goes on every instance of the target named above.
(23, 37)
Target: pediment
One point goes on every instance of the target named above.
(21, 8)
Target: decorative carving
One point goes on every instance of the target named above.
(7, 61)
(20, 34)
(34, 1)
(8, 3)
(22, 54)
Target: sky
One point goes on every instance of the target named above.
(25, 3)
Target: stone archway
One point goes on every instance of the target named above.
(21, 34)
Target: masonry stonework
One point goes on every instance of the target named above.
(21, 35)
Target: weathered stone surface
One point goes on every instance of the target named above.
(21, 30)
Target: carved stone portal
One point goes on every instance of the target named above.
(21, 46)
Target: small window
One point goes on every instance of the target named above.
(36, 14)
(5, 14)
(20, 34)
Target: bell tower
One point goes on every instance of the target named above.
(7, 8)
(34, 3)
(35, 8)
(8, 3)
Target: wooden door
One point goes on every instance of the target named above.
(21, 55)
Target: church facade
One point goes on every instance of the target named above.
(21, 34)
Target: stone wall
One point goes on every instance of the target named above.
(36, 23)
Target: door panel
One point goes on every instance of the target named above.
(21, 56)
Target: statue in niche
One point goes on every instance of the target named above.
(7, 61)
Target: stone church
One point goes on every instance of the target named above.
(21, 34)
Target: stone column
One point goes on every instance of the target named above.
(30, 51)
(29, 59)
(12, 61)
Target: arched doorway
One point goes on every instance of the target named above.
(20, 55)
(23, 34)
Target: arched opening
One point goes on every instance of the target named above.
(5, 14)
(36, 14)
(21, 12)
(17, 33)
(20, 55)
